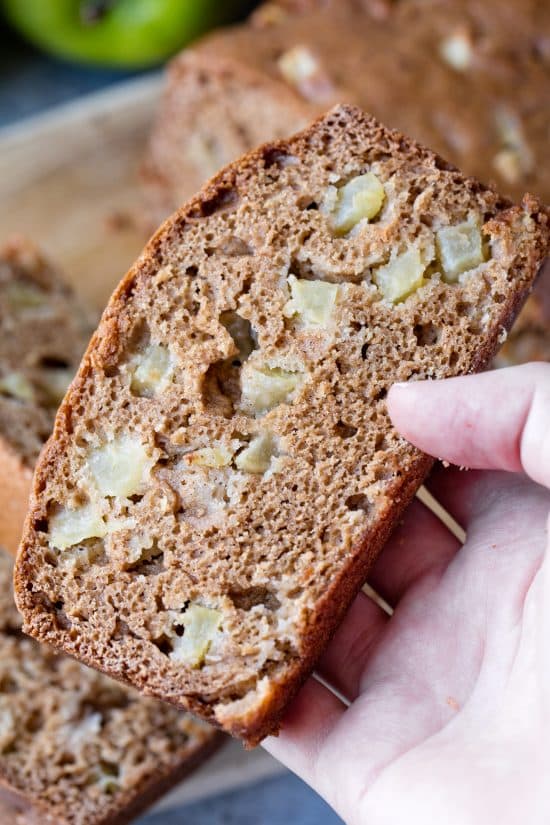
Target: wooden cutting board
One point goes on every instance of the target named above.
(69, 179)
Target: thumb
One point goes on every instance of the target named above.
(498, 420)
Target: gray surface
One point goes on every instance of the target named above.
(284, 800)
(30, 83)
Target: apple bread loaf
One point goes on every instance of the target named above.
(223, 470)
(468, 79)
(44, 331)
(77, 748)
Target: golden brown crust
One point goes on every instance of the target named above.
(251, 706)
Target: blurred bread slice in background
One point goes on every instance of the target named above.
(77, 748)
(44, 331)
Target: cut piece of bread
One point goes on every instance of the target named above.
(77, 748)
(44, 331)
(223, 470)
(468, 79)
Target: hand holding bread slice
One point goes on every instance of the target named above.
(223, 470)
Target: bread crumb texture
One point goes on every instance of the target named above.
(200, 530)
(77, 748)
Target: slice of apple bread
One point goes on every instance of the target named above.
(43, 333)
(223, 470)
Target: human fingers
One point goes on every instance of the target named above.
(421, 545)
(463, 493)
(308, 722)
(344, 661)
(497, 420)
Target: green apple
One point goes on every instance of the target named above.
(120, 33)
